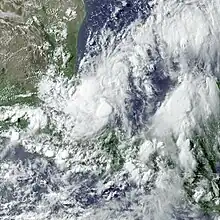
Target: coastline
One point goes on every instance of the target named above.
(72, 38)
(109, 14)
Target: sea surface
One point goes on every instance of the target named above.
(136, 136)
(116, 16)
(109, 14)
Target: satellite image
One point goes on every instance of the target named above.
(109, 109)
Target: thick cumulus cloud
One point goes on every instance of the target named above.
(158, 78)
(189, 33)
(174, 52)
(188, 106)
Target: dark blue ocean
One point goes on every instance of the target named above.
(101, 14)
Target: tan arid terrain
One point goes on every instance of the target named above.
(31, 35)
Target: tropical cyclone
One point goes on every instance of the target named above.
(189, 52)
(178, 43)
(133, 136)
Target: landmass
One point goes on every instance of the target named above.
(33, 35)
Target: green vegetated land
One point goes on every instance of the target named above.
(33, 34)
(36, 33)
